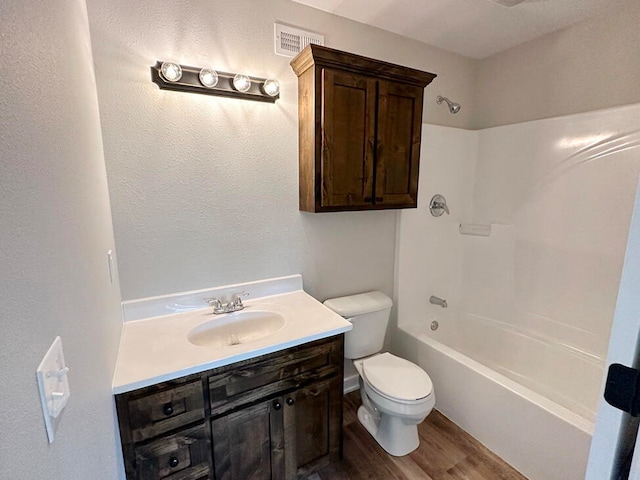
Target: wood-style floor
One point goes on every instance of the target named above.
(446, 453)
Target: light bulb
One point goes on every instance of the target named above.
(271, 87)
(242, 83)
(171, 72)
(208, 77)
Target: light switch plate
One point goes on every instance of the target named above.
(53, 383)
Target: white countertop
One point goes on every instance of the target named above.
(156, 349)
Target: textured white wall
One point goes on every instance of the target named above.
(56, 230)
(204, 189)
(589, 66)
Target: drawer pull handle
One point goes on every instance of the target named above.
(168, 409)
(277, 405)
(290, 401)
(174, 462)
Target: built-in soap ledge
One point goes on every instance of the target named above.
(186, 301)
(475, 229)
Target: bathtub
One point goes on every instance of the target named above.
(528, 403)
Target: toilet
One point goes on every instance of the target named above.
(397, 394)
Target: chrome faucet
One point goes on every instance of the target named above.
(438, 301)
(232, 306)
(236, 301)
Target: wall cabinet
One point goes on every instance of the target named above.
(360, 126)
(274, 417)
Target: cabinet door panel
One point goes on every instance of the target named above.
(398, 147)
(348, 115)
(244, 440)
(312, 425)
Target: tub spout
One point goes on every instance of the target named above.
(438, 301)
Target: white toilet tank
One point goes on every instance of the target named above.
(369, 314)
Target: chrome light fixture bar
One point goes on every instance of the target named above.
(212, 82)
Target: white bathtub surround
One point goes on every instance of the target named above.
(534, 300)
(158, 349)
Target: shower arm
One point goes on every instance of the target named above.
(453, 106)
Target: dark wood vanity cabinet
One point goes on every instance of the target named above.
(360, 126)
(274, 417)
(286, 437)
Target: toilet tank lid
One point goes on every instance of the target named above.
(359, 304)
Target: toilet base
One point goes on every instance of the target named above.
(395, 436)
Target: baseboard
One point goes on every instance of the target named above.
(351, 383)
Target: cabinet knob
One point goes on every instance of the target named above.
(277, 405)
(174, 462)
(167, 409)
(290, 401)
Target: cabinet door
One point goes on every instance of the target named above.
(348, 139)
(398, 144)
(312, 427)
(248, 444)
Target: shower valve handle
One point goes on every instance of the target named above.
(438, 205)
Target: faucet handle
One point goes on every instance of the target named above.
(215, 303)
(236, 300)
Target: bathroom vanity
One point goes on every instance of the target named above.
(277, 416)
(266, 408)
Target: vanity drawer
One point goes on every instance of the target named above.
(182, 456)
(166, 410)
(274, 372)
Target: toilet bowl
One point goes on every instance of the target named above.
(397, 395)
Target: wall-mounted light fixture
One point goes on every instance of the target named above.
(182, 78)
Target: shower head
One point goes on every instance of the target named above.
(453, 107)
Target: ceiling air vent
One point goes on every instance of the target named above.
(290, 41)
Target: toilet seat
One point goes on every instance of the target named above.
(396, 378)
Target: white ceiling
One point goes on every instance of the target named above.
(475, 28)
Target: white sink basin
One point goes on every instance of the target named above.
(237, 328)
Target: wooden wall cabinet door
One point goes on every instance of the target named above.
(398, 144)
(348, 139)
(360, 125)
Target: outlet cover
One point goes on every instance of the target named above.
(53, 383)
